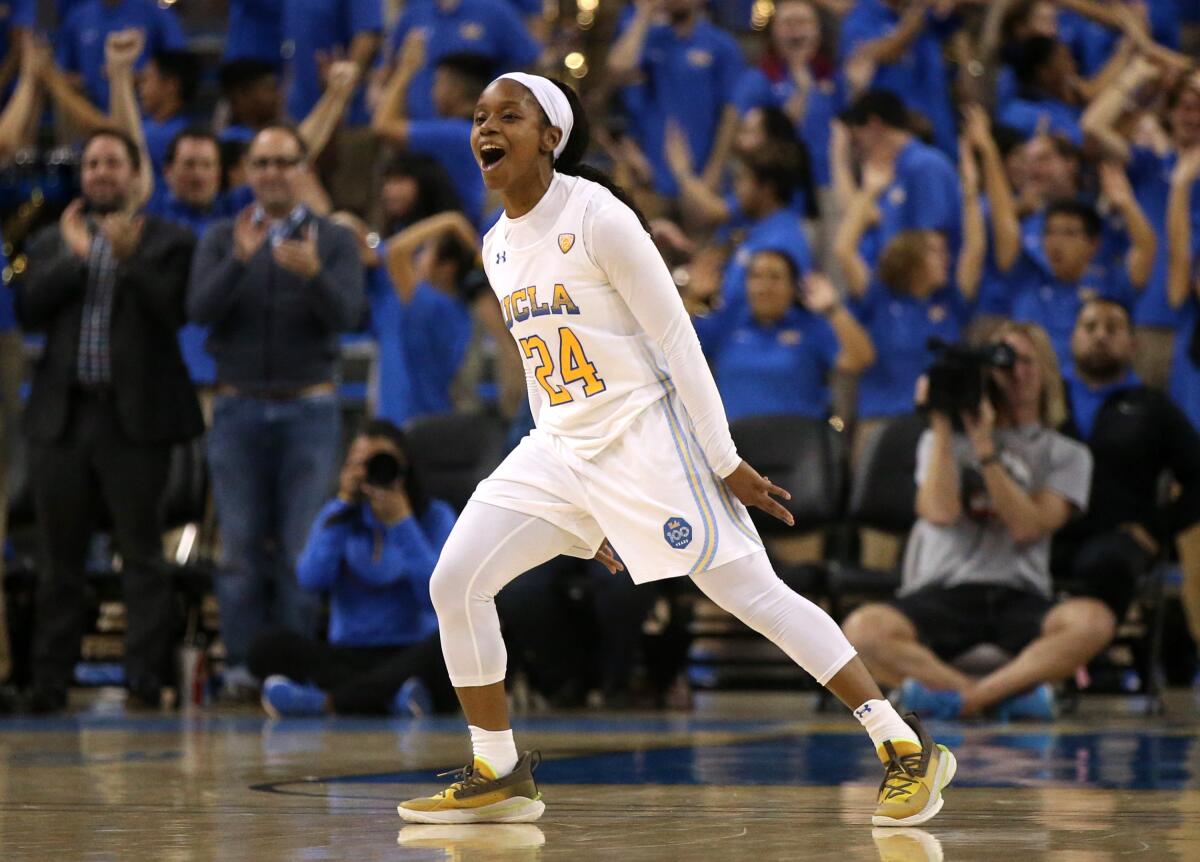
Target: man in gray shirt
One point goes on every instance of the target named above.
(977, 565)
(275, 286)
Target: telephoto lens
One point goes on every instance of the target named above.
(383, 469)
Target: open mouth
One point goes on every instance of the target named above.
(490, 155)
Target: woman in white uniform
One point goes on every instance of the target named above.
(631, 442)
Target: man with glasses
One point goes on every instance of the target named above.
(275, 285)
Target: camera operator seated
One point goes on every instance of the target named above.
(976, 570)
(1135, 434)
(373, 549)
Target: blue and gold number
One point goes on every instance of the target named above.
(572, 362)
(536, 344)
(575, 365)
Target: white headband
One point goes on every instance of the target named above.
(552, 101)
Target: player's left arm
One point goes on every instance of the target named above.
(619, 246)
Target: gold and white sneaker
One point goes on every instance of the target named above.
(478, 796)
(914, 778)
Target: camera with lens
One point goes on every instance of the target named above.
(958, 377)
(383, 470)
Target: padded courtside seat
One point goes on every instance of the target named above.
(454, 451)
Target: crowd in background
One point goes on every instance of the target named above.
(197, 228)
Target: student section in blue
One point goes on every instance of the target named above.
(776, 368)
(781, 231)
(487, 27)
(925, 194)
(900, 327)
(756, 90)
(313, 27)
(919, 76)
(79, 43)
(255, 30)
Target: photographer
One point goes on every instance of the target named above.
(373, 549)
(977, 566)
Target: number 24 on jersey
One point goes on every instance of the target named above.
(573, 366)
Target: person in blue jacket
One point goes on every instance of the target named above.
(372, 550)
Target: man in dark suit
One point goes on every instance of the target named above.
(110, 396)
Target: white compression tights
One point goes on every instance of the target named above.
(491, 546)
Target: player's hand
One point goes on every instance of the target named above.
(758, 491)
(607, 557)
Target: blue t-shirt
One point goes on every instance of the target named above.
(1150, 176)
(1039, 297)
(919, 77)
(448, 140)
(755, 90)
(689, 79)
(202, 368)
(491, 28)
(158, 137)
(782, 231)
(924, 195)
(255, 30)
(393, 400)
(770, 368)
(80, 39)
(1086, 401)
(900, 327)
(312, 26)
(435, 332)
(377, 576)
(1026, 116)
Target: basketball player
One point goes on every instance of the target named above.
(631, 443)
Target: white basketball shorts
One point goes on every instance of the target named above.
(651, 493)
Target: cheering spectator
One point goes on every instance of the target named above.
(775, 355)
(372, 550)
(1149, 171)
(276, 286)
(1047, 95)
(255, 31)
(413, 188)
(896, 45)
(110, 396)
(977, 568)
(22, 105)
(686, 71)
(1077, 271)
(80, 40)
(458, 80)
(318, 32)
(490, 28)
(796, 78)
(166, 88)
(15, 27)
(251, 87)
(924, 191)
(1135, 435)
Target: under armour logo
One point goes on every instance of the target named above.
(501, 256)
(862, 710)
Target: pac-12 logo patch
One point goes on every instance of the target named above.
(678, 533)
(565, 241)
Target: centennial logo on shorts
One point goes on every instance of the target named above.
(678, 533)
(565, 241)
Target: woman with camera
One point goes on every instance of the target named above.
(372, 549)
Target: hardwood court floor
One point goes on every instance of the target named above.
(744, 777)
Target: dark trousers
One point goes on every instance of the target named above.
(358, 680)
(1107, 567)
(94, 467)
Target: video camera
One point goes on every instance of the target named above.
(958, 377)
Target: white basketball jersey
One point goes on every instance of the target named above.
(596, 369)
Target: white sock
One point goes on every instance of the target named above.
(882, 722)
(496, 747)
